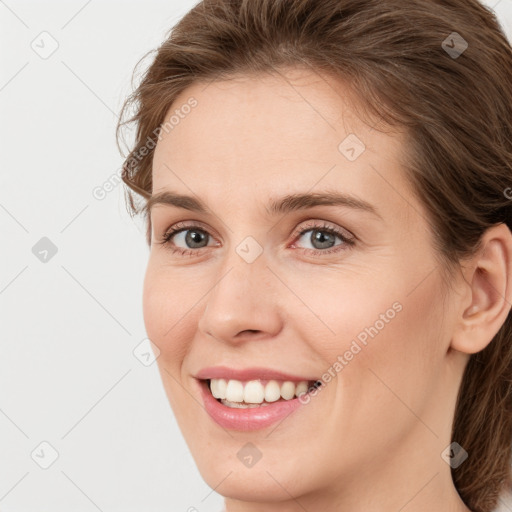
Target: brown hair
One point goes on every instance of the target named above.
(456, 111)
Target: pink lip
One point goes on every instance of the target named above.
(223, 372)
(246, 419)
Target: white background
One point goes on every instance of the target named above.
(68, 375)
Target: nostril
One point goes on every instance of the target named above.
(248, 331)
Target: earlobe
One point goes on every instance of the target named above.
(490, 290)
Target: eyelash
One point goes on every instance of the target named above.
(178, 228)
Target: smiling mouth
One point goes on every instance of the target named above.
(257, 393)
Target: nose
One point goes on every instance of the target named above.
(243, 304)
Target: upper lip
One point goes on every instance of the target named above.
(245, 374)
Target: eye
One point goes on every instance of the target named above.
(192, 237)
(323, 238)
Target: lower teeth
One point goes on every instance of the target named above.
(243, 405)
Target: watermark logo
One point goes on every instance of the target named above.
(352, 147)
(44, 455)
(454, 455)
(249, 249)
(146, 352)
(454, 45)
(249, 455)
(45, 45)
(44, 250)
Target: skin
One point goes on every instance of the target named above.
(372, 438)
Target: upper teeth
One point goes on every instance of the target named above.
(254, 392)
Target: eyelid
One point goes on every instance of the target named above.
(320, 225)
(312, 224)
(183, 225)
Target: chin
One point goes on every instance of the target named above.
(248, 484)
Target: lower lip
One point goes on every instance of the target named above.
(251, 418)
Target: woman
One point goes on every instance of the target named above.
(327, 190)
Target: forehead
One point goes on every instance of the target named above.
(284, 132)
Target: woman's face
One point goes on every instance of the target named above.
(251, 292)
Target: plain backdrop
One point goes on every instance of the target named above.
(84, 421)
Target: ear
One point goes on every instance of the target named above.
(489, 292)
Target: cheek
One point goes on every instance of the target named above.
(344, 309)
(377, 332)
(391, 373)
(167, 310)
(162, 310)
(403, 358)
(391, 313)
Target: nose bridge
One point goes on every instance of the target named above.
(241, 298)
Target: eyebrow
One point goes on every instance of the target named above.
(285, 204)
